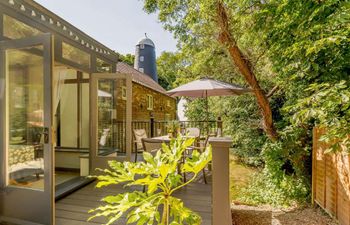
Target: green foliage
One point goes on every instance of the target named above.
(173, 126)
(196, 110)
(285, 178)
(301, 46)
(168, 67)
(194, 25)
(162, 178)
(128, 59)
(329, 107)
(263, 189)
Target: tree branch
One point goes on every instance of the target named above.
(272, 91)
(244, 66)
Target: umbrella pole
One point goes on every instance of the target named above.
(207, 109)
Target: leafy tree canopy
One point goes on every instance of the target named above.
(128, 59)
(300, 47)
(169, 65)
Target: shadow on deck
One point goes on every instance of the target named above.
(73, 209)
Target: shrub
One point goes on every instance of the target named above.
(285, 180)
(160, 175)
(265, 189)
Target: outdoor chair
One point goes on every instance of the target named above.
(104, 136)
(201, 148)
(151, 145)
(139, 134)
(192, 132)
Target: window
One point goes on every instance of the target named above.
(15, 29)
(141, 70)
(123, 92)
(142, 58)
(168, 103)
(142, 46)
(76, 55)
(149, 102)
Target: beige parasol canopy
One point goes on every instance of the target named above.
(205, 87)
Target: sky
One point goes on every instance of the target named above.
(118, 24)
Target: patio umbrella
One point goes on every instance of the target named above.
(205, 87)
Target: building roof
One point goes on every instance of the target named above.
(146, 41)
(53, 22)
(140, 78)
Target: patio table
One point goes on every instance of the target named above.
(166, 138)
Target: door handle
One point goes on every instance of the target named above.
(46, 135)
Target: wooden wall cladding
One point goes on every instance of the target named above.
(331, 180)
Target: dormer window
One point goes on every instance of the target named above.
(141, 70)
(142, 58)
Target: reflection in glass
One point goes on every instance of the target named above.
(69, 116)
(76, 55)
(15, 29)
(111, 117)
(85, 115)
(106, 114)
(102, 66)
(25, 113)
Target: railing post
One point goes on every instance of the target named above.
(219, 126)
(221, 205)
(152, 125)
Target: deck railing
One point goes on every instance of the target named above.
(157, 128)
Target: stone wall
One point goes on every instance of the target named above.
(164, 107)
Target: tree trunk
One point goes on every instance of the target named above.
(245, 69)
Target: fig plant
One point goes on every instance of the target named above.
(160, 175)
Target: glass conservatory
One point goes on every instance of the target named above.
(58, 90)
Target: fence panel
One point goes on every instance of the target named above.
(331, 180)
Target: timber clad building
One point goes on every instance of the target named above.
(67, 107)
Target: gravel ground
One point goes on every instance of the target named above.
(264, 215)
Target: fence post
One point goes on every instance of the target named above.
(221, 205)
(152, 124)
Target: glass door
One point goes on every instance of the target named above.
(110, 109)
(26, 184)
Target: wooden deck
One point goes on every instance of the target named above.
(73, 209)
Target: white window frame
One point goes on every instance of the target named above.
(141, 69)
(142, 58)
(150, 102)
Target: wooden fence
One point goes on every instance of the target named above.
(331, 180)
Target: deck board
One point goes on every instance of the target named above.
(73, 209)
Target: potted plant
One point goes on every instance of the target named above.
(173, 128)
(160, 176)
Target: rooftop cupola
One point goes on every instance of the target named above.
(145, 57)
